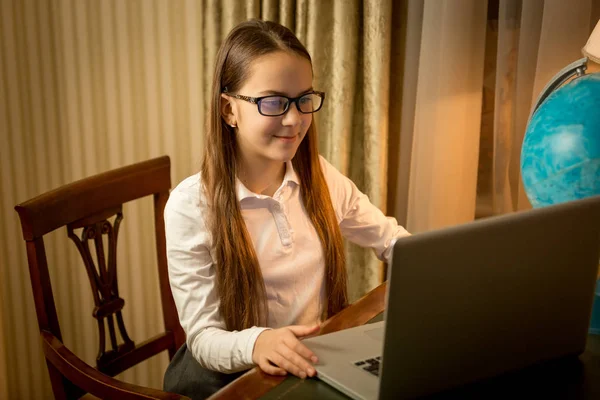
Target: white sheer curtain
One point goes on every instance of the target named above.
(447, 114)
(439, 123)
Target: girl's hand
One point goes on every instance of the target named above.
(278, 351)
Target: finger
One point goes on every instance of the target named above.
(304, 330)
(303, 351)
(271, 369)
(296, 359)
(288, 365)
(315, 333)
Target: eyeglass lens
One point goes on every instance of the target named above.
(277, 105)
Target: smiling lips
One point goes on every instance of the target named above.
(287, 138)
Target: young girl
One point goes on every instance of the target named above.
(254, 241)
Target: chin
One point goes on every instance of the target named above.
(282, 152)
(282, 156)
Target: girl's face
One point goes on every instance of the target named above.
(264, 138)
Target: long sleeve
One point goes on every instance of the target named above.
(360, 221)
(193, 283)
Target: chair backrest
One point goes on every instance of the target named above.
(95, 205)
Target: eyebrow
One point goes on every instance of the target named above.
(276, 93)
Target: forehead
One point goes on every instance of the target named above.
(283, 72)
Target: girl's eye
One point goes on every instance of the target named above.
(309, 103)
(273, 105)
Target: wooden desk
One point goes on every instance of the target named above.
(572, 378)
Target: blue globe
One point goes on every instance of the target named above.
(560, 156)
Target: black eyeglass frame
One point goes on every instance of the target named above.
(257, 100)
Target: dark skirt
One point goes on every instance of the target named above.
(187, 377)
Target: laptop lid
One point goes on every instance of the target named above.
(476, 300)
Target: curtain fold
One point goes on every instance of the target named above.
(532, 13)
(447, 117)
(407, 25)
(504, 104)
(372, 149)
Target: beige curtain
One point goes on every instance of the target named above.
(89, 85)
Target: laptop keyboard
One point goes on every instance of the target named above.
(370, 365)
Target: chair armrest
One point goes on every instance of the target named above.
(256, 383)
(90, 379)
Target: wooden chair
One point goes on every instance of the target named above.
(90, 203)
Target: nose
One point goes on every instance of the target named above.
(293, 116)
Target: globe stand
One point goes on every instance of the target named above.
(575, 68)
(595, 319)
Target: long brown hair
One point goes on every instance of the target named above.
(239, 279)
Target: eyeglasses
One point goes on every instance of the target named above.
(276, 105)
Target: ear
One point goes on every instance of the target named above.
(228, 111)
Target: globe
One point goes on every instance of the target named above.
(560, 155)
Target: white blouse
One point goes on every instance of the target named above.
(289, 254)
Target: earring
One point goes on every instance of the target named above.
(233, 125)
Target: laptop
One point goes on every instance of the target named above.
(473, 301)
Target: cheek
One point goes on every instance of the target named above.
(255, 122)
(261, 129)
(306, 121)
(268, 125)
